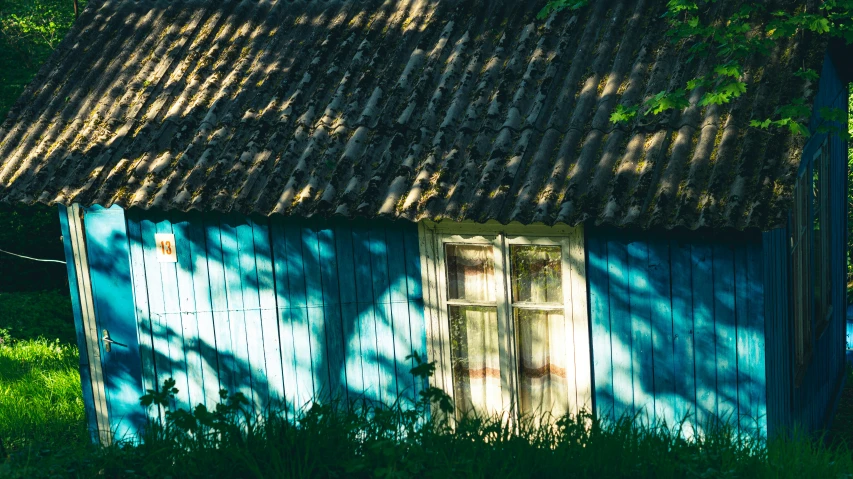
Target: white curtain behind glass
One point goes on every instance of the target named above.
(475, 352)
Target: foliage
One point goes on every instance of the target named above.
(751, 30)
(40, 397)
(27, 316)
(29, 30)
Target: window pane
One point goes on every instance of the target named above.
(470, 272)
(475, 356)
(536, 274)
(543, 384)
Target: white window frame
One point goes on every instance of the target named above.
(433, 236)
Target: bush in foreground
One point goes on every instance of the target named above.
(365, 441)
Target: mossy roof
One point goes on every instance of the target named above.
(457, 110)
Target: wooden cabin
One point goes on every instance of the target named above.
(288, 199)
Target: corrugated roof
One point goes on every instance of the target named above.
(462, 110)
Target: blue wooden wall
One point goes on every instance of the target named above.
(810, 404)
(285, 311)
(677, 327)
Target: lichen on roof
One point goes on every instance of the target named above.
(439, 109)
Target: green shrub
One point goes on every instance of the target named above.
(31, 315)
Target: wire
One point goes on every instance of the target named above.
(32, 259)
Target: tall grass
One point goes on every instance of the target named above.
(362, 442)
(40, 395)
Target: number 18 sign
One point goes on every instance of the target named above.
(166, 248)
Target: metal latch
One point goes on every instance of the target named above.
(108, 342)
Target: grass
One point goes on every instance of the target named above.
(41, 403)
(40, 395)
(331, 442)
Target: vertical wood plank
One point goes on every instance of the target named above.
(382, 313)
(399, 310)
(185, 272)
(704, 334)
(157, 309)
(236, 309)
(599, 312)
(285, 327)
(367, 322)
(172, 322)
(305, 388)
(745, 379)
(415, 297)
(660, 285)
(755, 315)
(725, 332)
(682, 326)
(349, 311)
(641, 337)
(140, 296)
(271, 354)
(335, 350)
(250, 286)
(226, 368)
(623, 393)
(202, 289)
(314, 300)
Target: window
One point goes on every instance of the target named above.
(507, 318)
(811, 234)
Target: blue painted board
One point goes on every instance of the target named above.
(367, 333)
(316, 319)
(273, 372)
(189, 320)
(641, 336)
(599, 294)
(335, 339)
(156, 308)
(109, 266)
(285, 326)
(682, 329)
(204, 315)
(725, 332)
(297, 315)
(226, 369)
(252, 304)
(350, 326)
(236, 310)
(704, 334)
(623, 393)
(660, 284)
(173, 322)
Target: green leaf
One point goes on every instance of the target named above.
(623, 114)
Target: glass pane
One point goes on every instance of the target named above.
(475, 357)
(543, 383)
(470, 272)
(536, 274)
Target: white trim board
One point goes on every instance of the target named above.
(90, 326)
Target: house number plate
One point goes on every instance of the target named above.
(166, 248)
